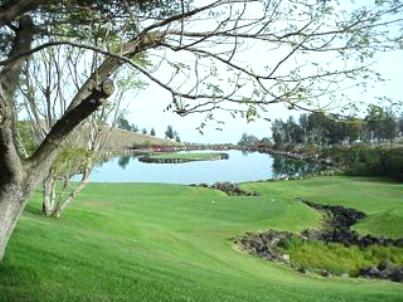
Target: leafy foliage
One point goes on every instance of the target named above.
(170, 133)
(248, 140)
(370, 161)
(123, 123)
(26, 137)
(317, 128)
(71, 161)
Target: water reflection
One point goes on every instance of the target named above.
(288, 167)
(123, 161)
(240, 167)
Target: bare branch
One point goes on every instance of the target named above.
(45, 153)
(10, 10)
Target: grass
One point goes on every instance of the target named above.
(156, 242)
(338, 259)
(380, 199)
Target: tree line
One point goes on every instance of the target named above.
(379, 125)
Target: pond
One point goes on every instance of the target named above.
(240, 167)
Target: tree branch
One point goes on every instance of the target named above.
(10, 162)
(10, 10)
(22, 43)
(43, 157)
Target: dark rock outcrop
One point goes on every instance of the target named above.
(266, 245)
(338, 224)
(384, 270)
(233, 189)
(229, 188)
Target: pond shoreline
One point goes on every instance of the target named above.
(238, 167)
(144, 150)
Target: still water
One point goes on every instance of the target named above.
(240, 167)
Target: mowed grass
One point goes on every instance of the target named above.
(155, 242)
(380, 199)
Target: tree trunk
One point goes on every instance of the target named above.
(12, 203)
(49, 195)
(59, 207)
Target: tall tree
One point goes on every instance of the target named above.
(304, 124)
(388, 126)
(123, 123)
(400, 124)
(200, 42)
(248, 140)
(381, 123)
(278, 133)
(169, 133)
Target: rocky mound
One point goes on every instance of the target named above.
(337, 227)
(229, 188)
(266, 245)
(384, 270)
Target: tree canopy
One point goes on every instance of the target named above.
(379, 125)
(169, 132)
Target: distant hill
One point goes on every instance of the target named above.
(123, 139)
(118, 139)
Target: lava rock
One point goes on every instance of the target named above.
(232, 189)
(384, 270)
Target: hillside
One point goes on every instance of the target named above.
(123, 139)
(155, 242)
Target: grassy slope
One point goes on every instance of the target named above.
(382, 201)
(120, 138)
(147, 242)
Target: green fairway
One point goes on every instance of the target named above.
(156, 242)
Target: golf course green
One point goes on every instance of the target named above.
(157, 242)
(182, 157)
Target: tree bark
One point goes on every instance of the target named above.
(10, 10)
(62, 205)
(12, 203)
(49, 195)
(19, 176)
(53, 206)
(16, 183)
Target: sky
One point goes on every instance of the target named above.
(146, 107)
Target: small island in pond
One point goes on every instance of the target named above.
(183, 157)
